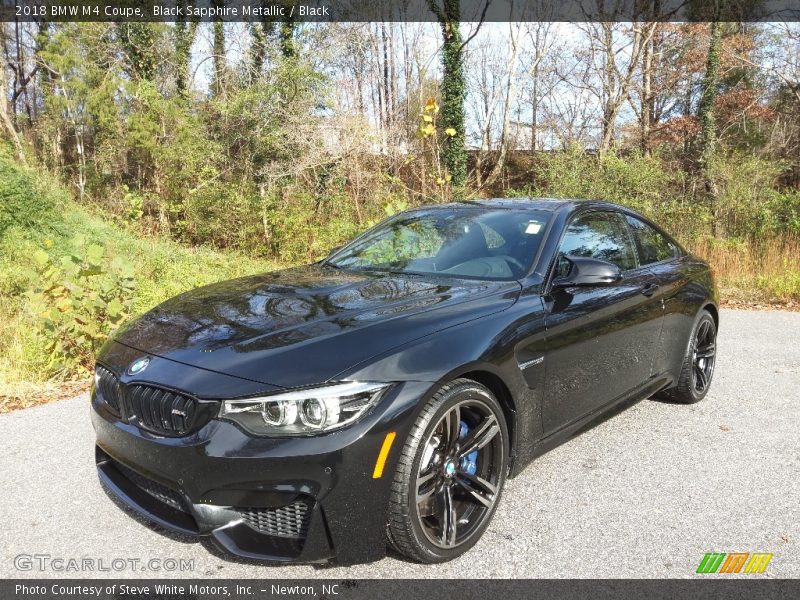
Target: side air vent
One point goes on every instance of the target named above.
(289, 521)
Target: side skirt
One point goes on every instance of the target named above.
(594, 418)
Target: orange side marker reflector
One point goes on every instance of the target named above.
(383, 455)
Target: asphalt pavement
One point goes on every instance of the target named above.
(644, 494)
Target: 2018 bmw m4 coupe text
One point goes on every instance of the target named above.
(383, 395)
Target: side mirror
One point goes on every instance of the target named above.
(587, 272)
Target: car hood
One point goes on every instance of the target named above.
(306, 325)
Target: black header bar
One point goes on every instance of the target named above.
(397, 10)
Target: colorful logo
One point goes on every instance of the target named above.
(138, 366)
(734, 562)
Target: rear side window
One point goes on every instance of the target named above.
(599, 235)
(652, 246)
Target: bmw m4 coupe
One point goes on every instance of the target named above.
(382, 396)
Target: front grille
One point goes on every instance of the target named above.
(160, 410)
(108, 387)
(155, 489)
(289, 521)
(152, 408)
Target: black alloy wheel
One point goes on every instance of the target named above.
(698, 364)
(450, 474)
(703, 355)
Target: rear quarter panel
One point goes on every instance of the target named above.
(687, 286)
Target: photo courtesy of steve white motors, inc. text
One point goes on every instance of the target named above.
(179, 590)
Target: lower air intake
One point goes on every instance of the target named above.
(290, 521)
(156, 490)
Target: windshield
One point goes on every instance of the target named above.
(466, 242)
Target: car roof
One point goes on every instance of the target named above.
(544, 204)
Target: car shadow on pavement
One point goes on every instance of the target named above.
(607, 415)
(215, 551)
(662, 398)
(212, 548)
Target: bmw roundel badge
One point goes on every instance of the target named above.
(138, 366)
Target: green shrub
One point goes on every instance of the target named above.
(79, 300)
(747, 203)
(633, 180)
(24, 201)
(781, 287)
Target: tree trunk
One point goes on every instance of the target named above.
(535, 107)
(453, 91)
(647, 97)
(288, 49)
(184, 38)
(617, 82)
(508, 101)
(220, 64)
(385, 81)
(708, 132)
(609, 89)
(5, 118)
(20, 79)
(259, 34)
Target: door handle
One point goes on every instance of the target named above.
(649, 289)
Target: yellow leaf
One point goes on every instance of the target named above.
(431, 105)
(41, 258)
(450, 131)
(428, 129)
(64, 304)
(427, 118)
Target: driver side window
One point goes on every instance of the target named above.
(597, 235)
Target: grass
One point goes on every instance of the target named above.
(765, 273)
(164, 268)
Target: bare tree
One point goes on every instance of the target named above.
(485, 89)
(614, 51)
(514, 33)
(569, 108)
(541, 43)
(5, 118)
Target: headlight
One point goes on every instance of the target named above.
(304, 412)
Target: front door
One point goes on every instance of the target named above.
(601, 339)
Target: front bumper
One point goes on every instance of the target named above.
(308, 499)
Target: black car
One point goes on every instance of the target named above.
(386, 392)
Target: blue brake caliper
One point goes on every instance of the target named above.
(467, 463)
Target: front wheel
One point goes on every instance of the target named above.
(698, 363)
(450, 474)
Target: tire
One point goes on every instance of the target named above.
(456, 459)
(698, 364)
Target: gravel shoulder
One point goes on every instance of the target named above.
(644, 494)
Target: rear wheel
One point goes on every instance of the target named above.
(698, 364)
(450, 474)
